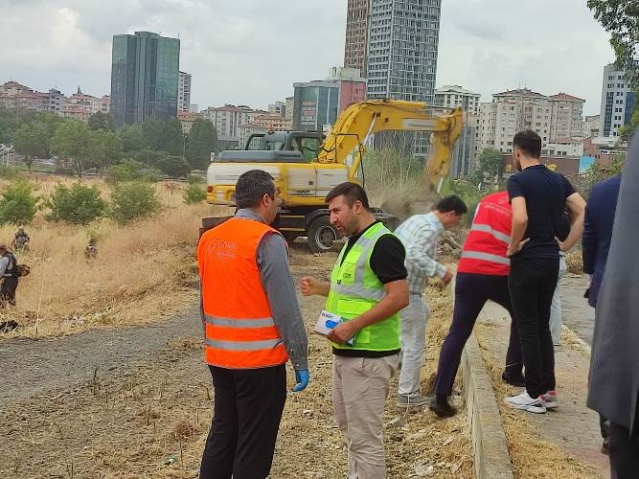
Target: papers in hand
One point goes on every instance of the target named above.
(328, 321)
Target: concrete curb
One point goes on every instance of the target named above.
(492, 460)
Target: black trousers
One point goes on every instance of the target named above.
(471, 293)
(247, 413)
(532, 283)
(8, 291)
(624, 452)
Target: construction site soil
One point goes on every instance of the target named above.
(135, 402)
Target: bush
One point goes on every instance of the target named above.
(174, 166)
(18, 205)
(9, 172)
(128, 170)
(194, 193)
(78, 205)
(132, 201)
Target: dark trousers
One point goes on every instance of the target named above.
(8, 291)
(624, 452)
(471, 293)
(247, 413)
(532, 283)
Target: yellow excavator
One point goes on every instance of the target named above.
(306, 167)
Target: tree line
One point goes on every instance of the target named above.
(157, 144)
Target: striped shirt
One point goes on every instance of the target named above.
(419, 234)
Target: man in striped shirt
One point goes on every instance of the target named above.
(420, 234)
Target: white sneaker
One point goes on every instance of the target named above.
(524, 402)
(550, 400)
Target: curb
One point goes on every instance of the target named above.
(492, 460)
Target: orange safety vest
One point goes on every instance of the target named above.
(239, 329)
(485, 248)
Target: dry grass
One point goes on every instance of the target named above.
(142, 272)
(574, 260)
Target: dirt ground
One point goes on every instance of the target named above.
(136, 403)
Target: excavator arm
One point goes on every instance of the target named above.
(360, 120)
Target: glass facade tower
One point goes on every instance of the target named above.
(144, 77)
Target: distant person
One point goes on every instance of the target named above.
(9, 274)
(419, 235)
(252, 325)
(21, 240)
(538, 197)
(367, 289)
(482, 275)
(600, 217)
(613, 389)
(91, 251)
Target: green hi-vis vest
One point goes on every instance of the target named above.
(355, 289)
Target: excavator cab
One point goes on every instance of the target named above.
(308, 143)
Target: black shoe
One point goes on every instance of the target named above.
(516, 379)
(440, 406)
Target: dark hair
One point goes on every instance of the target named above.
(529, 142)
(251, 187)
(452, 203)
(352, 192)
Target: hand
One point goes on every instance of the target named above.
(342, 332)
(514, 249)
(448, 276)
(301, 378)
(308, 286)
(562, 246)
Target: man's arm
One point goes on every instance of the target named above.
(4, 263)
(395, 300)
(589, 240)
(416, 253)
(310, 286)
(577, 207)
(280, 291)
(519, 224)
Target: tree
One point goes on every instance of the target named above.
(101, 121)
(174, 166)
(104, 148)
(72, 139)
(131, 138)
(201, 141)
(32, 141)
(18, 205)
(620, 18)
(131, 201)
(150, 157)
(79, 204)
(172, 138)
(491, 162)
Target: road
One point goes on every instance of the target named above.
(577, 315)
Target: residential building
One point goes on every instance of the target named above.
(184, 92)
(591, 126)
(617, 102)
(187, 119)
(55, 101)
(272, 122)
(228, 119)
(288, 112)
(316, 104)
(81, 106)
(567, 114)
(356, 35)
(277, 108)
(452, 96)
(12, 88)
(144, 77)
(403, 39)
(351, 86)
(245, 131)
(18, 97)
(573, 147)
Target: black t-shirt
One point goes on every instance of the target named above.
(387, 262)
(545, 193)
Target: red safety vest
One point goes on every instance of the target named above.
(239, 329)
(485, 248)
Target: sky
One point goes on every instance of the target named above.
(252, 51)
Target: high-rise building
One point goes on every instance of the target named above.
(567, 113)
(617, 102)
(356, 35)
(288, 109)
(452, 96)
(184, 92)
(403, 39)
(144, 77)
(316, 104)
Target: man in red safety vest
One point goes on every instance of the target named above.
(482, 275)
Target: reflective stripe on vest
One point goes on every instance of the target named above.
(493, 258)
(487, 229)
(240, 332)
(355, 289)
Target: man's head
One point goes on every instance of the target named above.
(348, 204)
(255, 189)
(526, 148)
(450, 210)
(3, 249)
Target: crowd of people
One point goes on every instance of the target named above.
(512, 256)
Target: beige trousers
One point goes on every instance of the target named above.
(360, 389)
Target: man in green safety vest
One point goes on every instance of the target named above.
(366, 291)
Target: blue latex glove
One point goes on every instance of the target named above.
(301, 377)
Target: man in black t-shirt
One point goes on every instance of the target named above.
(368, 288)
(538, 197)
